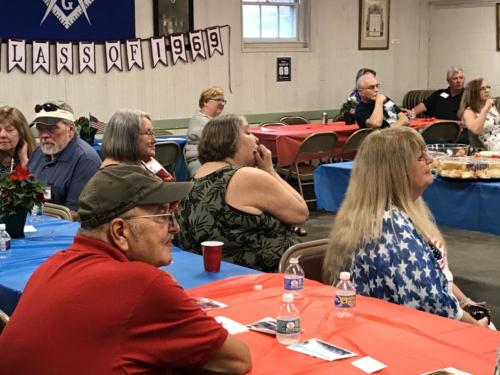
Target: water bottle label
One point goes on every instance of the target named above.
(345, 301)
(288, 327)
(294, 284)
(4, 245)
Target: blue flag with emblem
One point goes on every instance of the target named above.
(67, 20)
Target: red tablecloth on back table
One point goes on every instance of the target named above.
(406, 340)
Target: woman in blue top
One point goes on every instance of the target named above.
(384, 232)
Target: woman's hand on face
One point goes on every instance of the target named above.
(22, 154)
(263, 159)
(489, 103)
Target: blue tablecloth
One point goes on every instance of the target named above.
(181, 172)
(471, 205)
(54, 234)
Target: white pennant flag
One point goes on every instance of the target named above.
(64, 57)
(113, 56)
(158, 51)
(41, 56)
(134, 53)
(197, 46)
(178, 48)
(86, 56)
(16, 54)
(214, 41)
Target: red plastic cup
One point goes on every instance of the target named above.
(212, 255)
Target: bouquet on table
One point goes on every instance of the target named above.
(347, 110)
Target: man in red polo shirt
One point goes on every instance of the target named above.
(103, 307)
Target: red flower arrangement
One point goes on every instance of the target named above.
(19, 189)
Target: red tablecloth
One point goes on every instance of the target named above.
(406, 340)
(284, 141)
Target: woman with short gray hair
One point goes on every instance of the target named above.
(128, 138)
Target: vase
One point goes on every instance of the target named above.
(349, 118)
(14, 224)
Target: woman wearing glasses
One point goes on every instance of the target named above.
(211, 104)
(479, 113)
(128, 138)
(16, 141)
(384, 233)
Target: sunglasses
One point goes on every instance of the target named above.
(47, 107)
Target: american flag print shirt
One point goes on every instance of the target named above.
(400, 268)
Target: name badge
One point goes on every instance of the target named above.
(444, 95)
(47, 194)
(388, 104)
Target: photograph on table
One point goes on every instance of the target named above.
(172, 16)
(374, 24)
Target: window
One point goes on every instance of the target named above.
(275, 22)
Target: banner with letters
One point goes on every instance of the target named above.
(76, 57)
(67, 20)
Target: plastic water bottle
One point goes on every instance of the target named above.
(294, 278)
(36, 212)
(4, 243)
(345, 296)
(288, 322)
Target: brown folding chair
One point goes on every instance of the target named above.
(167, 154)
(4, 319)
(294, 120)
(57, 210)
(310, 254)
(441, 132)
(353, 142)
(313, 151)
(161, 132)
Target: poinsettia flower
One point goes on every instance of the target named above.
(20, 173)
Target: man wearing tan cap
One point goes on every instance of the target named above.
(63, 161)
(103, 307)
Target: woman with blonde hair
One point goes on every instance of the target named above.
(479, 114)
(16, 141)
(211, 105)
(384, 232)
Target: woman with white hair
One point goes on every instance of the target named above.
(384, 233)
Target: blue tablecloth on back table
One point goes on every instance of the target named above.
(463, 204)
(181, 173)
(54, 234)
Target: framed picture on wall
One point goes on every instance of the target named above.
(172, 16)
(498, 26)
(374, 16)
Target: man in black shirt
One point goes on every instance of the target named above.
(375, 110)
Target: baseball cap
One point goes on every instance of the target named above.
(50, 113)
(114, 190)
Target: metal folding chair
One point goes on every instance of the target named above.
(167, 154)
(441, 132)
(310, 254)
(294, 120)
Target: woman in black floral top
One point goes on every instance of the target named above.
(239, 199)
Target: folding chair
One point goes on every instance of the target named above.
(441, 132)
(271, 124)
(160, 132)
(310, 254)
(294, 120)
(4, 319)
(57, 210)
(167, 154)
(314, 148)
(353, 142)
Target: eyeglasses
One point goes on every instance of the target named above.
(220, 100)
(149, 133)
(484, 88)
(159, 218)
(372, 87)
(47, 107)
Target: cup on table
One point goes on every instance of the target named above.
(212, 255)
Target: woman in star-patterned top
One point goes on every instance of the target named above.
(384, 232)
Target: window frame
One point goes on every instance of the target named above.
(300, 43)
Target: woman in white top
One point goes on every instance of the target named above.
(479, 114)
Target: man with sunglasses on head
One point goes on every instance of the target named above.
(375, 110)
(62, 161)
(103, 306)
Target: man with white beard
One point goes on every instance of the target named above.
(62, 161)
